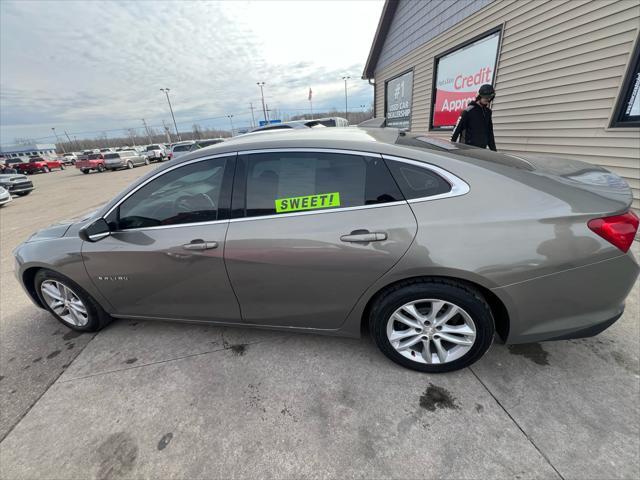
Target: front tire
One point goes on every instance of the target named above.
(46, 169)
(432, 326)
(129, 165)
(84, 170)
(69, 303)
(61, 167)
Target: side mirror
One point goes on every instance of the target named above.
(95, 231)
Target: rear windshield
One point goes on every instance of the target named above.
(153, 147)
(441, 145)
(68, 155)
(182, 148)
(111, 155)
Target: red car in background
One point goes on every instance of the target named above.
(38, 164)
(93, 161)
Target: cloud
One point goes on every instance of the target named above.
(86, 66)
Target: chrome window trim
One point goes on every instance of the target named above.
(317, 212)
(311, 150)
(458, 186)
(159, 174)
(176, 225)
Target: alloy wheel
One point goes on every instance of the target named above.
(65, 303)
(431, 331)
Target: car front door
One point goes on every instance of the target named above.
(311, 230)
(164, 256)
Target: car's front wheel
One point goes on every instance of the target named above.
(46, 169)
(432, 326)
(129, 165)
(69, 302)
(61, 167)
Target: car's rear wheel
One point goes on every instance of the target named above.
(84, 170)
(46, 169)
(129, 165)
(146, 161)
(432, 325)
(69, 302)
(61, 166)
(100, 168)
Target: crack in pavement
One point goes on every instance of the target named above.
(221, 349)
(48, 387)
(516, 424)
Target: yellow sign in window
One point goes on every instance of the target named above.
(309, 202)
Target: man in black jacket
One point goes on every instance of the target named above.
(474, 126)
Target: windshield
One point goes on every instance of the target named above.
(182, 148)
(152, 147)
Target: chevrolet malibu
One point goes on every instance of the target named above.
(435, 248)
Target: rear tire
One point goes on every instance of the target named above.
(61, 167)
(46, 169)
(84, 170)
(100, 168)
(70, 303)
(129, 165)
(471, 327)
(146, 161)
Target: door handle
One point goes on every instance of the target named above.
(364, 236)
(200, 245)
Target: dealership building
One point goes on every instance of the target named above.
(566, 74)
(24, 151)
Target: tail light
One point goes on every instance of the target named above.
(618, 230)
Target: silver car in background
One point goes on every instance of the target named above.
(124, 159)
(433, 247)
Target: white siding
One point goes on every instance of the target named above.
(559, 74)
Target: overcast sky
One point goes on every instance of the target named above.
(98, 66)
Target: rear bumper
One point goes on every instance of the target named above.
(114, 165)
(574, 303)
(21, 187)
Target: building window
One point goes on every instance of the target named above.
(398, 95)
(458, 74)
(627, 109)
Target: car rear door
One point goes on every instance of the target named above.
(311, 231)
(164, 256)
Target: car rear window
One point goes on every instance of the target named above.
(95, 156)
(152, 147)
(416, 181)
(111, 155)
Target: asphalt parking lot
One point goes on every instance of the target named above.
(158, 400)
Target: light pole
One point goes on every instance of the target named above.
(264, 109)
(253, 119)
(58, 141)
(346, 110)
(230, 117)
(166, 92)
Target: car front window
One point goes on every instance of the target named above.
(188, 194)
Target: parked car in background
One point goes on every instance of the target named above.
(39, 164)
(181, 148)
(330, 231)
(207, 142)
(106, 150)
(5, 196)
(124, 159)
(157, 153)
(69, 158)
(93, 161)
(315, 123)
(16, 184)
(12, 164)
